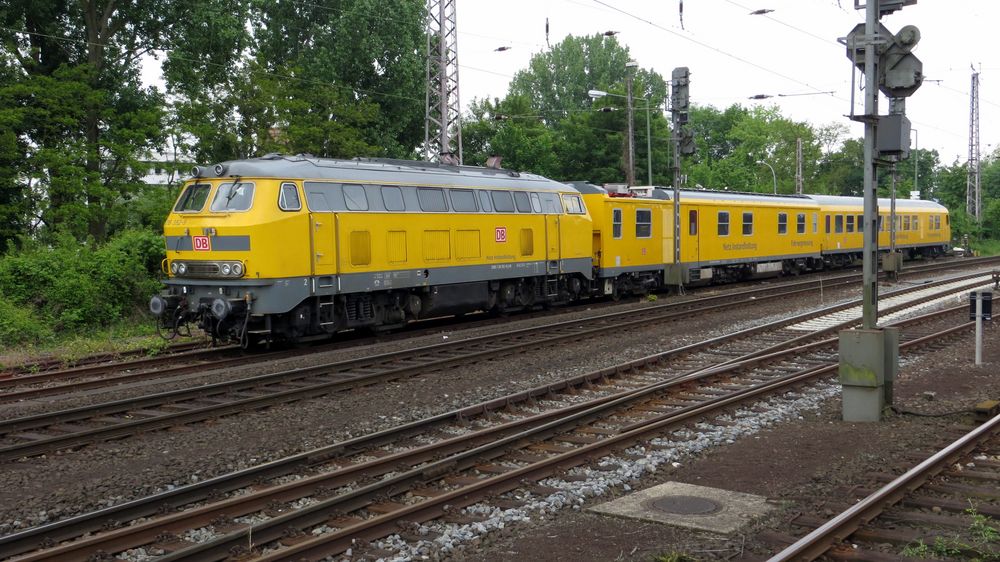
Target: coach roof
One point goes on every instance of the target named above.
(373, 170)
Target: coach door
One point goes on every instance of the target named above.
(693, 251)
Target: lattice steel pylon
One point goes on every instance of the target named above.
(973, 195)
(442, 118)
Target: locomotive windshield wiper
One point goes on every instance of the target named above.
(232, 190)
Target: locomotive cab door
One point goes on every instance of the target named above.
(552, 256)
(323, 240)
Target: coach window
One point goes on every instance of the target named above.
(881, 223)
(574, 205)
(355, 198)
(522, 202)
(643, 223)
(616, 223)
(232, 197)
(861, 223)
(431, 200)
(288, 197)
(827, 221)
(906, 222)
(463, 200)
(782, 223)
(815, 222)
(193, 199)
(838, 224)
(800, 223)
(502, 201)
(536, 204)
(484, 200)
(693, 223)
(747, 223)
(916, 222)
(850, 223)
(723, 223)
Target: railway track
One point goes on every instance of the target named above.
(66, 429)
(96, 372)
(99, 362)
(26, 382)
(321, 502)
(944, 507)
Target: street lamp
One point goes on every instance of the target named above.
(773, 175)
(649, 152)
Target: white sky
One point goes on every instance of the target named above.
(733, 55)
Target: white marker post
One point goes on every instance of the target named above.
(979, 329)
(981, 310)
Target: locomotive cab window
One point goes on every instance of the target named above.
(800, 223)
(193, 199)
(643, 223)
(463, 200)
(431, 200)
(574, 205)
(536, 203)
(502, 201)
(233, 197)
(355, 198)
(392, 198)
(484, 200)
(782, 223)
(288, 197)
(522, 202)
(747, 223)
(723, 223)
(616, 223)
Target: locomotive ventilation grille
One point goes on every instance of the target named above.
(207, 269)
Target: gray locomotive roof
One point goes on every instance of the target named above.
(378, 170)
(883, 202)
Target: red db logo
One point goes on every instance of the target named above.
(501, 234)
(201, 243)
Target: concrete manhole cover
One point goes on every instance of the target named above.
(689, 506)
(685, 505)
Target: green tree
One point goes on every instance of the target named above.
(76, 104)
(337, 79)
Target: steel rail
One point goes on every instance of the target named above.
(126, 538)
(338, 541)
(227, 407)
(841, 526)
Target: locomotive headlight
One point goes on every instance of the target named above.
(173, 268)
(226, 269)
(237, 269)
(181, 269)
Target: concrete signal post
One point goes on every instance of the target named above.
(869, 357)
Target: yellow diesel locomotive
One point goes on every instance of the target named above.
(289, 248)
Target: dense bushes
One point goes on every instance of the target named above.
(66, 287)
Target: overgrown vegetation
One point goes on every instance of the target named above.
(69, 287)
(981, 542)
